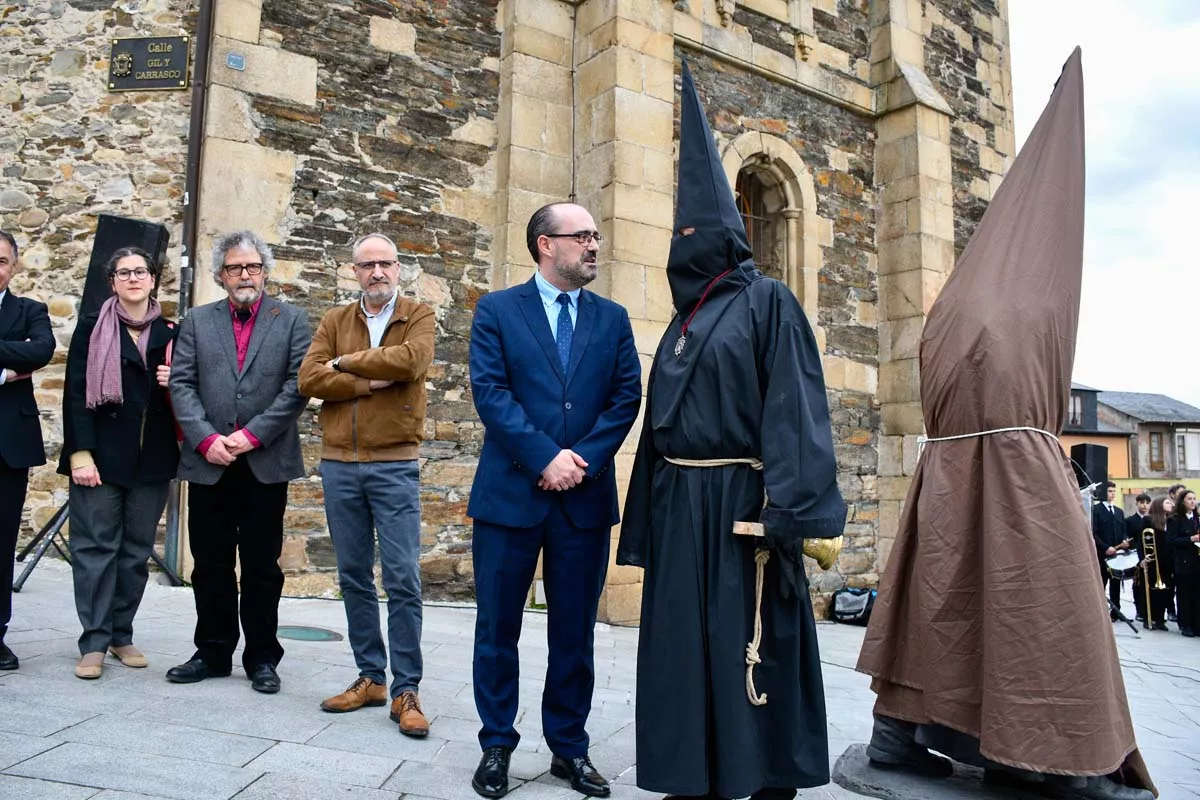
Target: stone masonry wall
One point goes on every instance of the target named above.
(70, 150)
(398, 137)
(967, 58)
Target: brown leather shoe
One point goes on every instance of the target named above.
(406, 710)
(363, 692)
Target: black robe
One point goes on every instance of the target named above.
(747, 384)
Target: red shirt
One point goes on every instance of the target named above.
(241, 339)
(242, 330)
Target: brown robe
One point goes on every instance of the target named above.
(990, 619)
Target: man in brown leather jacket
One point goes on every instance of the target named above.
(367, 363)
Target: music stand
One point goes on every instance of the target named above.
(1113, 608)
(51, 534)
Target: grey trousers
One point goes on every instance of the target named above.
(112, 535)
(363, 501)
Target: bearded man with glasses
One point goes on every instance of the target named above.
(367, 364)
(234, 387)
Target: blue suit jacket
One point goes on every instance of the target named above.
(531, 410)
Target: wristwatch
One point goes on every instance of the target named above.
(336, 363)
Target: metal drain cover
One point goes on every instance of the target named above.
(304, 633)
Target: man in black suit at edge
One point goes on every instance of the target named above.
(26, 345)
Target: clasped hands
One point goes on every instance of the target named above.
(564, 472)
(225, 449)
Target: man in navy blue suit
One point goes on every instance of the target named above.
(557, 384)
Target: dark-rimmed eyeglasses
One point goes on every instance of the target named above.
(141, 273)
(234, 270)
(369, 266)
(580, 237)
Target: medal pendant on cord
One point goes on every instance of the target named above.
(681, 342)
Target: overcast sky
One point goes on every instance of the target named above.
(1139, 324)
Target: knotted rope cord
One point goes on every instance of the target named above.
(923, 440)
(761, 557)
(753, 463)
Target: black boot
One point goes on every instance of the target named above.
(894, 746)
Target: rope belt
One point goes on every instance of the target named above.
(761, 557)
(753, 463)
(923, 440)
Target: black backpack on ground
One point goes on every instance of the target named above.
(853, 606)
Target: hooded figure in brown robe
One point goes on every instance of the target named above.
(991, 639)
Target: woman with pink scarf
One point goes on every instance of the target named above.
(120, 451)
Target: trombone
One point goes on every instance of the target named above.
(1150, 553)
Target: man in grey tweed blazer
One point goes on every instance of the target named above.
(234, 390)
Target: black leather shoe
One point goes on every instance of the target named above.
(195, 670)
(8, 659)
(491, 776)
(1160, 626)
(265, 679)
(582, 774)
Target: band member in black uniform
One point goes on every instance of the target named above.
(1183, 532)
(1108, 529)
(1134, 525)
(1151, 567)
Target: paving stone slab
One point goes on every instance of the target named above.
(63, 690)
(276, 786)
(276, 720)
(436, 782)
(382, 739)
(26, 789)
(539, 790)
(140, 735)
(106, 768)
(16, 747)
(523, 765)
(35, 719)
(455, 729)
(356, 769)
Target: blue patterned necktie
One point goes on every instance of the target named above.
(566, 331)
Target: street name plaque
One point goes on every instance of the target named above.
(148, 63)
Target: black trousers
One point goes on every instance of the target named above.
(237, 517)
(1114, 585)
(1189, 602)
(13, 483)
(1158, 597)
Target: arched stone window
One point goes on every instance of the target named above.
(778, 201)
(760, 200)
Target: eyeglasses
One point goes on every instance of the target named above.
(581, 237)
(141, 273)
(234, 270)
(369, 266)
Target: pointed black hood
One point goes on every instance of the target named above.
(704, 202)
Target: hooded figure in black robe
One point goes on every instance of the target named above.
(736, 376)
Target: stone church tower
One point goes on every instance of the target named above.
(864, 138)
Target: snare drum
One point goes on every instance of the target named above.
(1122, 565)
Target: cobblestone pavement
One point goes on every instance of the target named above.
(131, 734)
